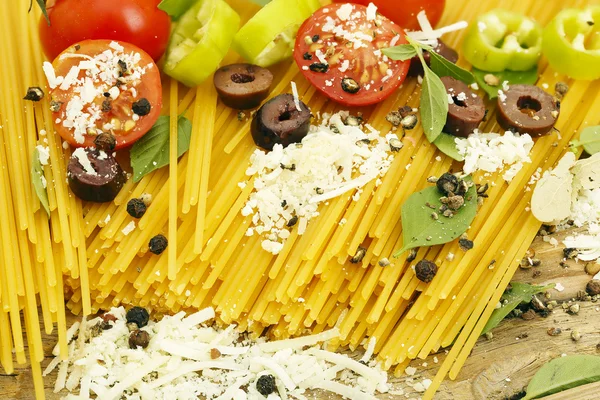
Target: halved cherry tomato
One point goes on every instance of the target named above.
(139, 22)
(95, 90)
(338, 49)
(404, 12)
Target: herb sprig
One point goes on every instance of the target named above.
(434, 99)
(42, 4)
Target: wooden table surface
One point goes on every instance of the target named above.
(497, 369)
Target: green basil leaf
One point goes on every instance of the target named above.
(400, 53)
(175, 8)
(420, 229)
(443, 67)
(563, 373)
(520, 293)
(434, 104)
(447, 145)
(513, 77)
(151, 152)
(42, 5)
(589, 138)
(37, 178)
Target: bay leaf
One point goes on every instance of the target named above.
(151, 152)
(420, 229)
(551, 200)
(37, 178)
(447, 145)
(519, 293)
(589, 138)
(563, 373)
(512, 77)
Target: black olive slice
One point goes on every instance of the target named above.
(94, 175)
(466, 111)
(442, 49)
(279, 121)
(242, 86)
(527, 109)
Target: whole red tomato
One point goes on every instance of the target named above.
(404, 12)
(138, 22)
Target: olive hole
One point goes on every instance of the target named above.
(458, 102)
(529, 105)
(242, 78)
(285, 116)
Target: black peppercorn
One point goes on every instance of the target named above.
(447, 183)
(136, 208)
(266, 385)
(293, 221)
(593, 287)
(158, 244)
(141, 107)
(122, 67)
(105, 142)
(319, 67)
(349, 85)
(425, 270)
(34, 93)
(465, 244)
(307, 56)
(138, 315)
(106, 105)
(139, 338)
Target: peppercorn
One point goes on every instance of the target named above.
(593, 287)
(319, 67)
(105, 142)
(412, 254)
(136, 208)
(425, 270)
(158, 244)
(349, 85)
(465, 244)
(266, 385)
(34, 93)
(106, 105)
(214, 353)
(405, 110)
(122, 67)
(409, 122)
(141, 107)
(138, 315)
(359, 255)
(307, 56)
(447, 183)
(293, 221)
(394, 118)
(55, 105)
(139, 338)
(570, 253)
(561, 89)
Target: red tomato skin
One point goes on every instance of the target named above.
(334, 92)
(138, 22)
(404, 12)
(150, 87)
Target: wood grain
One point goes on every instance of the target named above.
(497, 368)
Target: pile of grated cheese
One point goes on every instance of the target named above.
(102, 74)
(181, 362)
(491, 152)
(290, 183)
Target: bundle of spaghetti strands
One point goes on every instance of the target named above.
(80, 255)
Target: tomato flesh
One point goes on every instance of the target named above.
(98, 85)
(139, 22)
(404, 12)
(338, 49)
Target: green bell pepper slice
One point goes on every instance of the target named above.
(572, 43)
(503, 40)
(269, 36)
(200, 41)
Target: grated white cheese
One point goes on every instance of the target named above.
(43, 153)
(492, 152)
(296, 97)
(103, 366)
(84, 160)
(371, 12)
(427, 35)
(290, 183)
(128, 228)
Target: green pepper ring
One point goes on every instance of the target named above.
(502, 40)
(562, 54)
